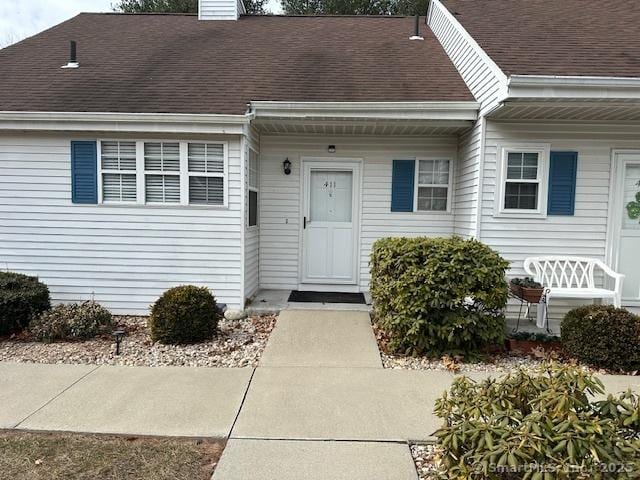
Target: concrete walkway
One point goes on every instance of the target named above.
(319, 406)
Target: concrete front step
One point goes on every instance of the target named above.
(315, 460)
(318, 338)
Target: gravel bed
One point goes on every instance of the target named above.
(239, 343)
(426, 458)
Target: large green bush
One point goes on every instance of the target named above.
(436, 295)
(21, 299)
(72, 321)
(541, 424)
(184, 314)
(603, 336)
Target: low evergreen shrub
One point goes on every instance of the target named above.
(22, 298)
(184, 314)
(540, 424)
(72, 321)
(438, 295)
(602, 336)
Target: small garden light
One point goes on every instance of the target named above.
(118, 335)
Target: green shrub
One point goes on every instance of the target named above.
(603, 336)
(185, 314)
(22, 298)
(514, 427)
(72, 321)
(437, 295)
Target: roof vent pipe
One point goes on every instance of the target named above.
(416, 33)
(73, 60)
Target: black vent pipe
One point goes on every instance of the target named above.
(72, 52)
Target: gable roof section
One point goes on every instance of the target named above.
(555, 37)
(178, 64)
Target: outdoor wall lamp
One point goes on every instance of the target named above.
(286, 165)
(331, 149)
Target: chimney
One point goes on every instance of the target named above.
(416, 30)
(73, 60)
(220, 9)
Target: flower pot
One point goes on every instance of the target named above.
(531, 295)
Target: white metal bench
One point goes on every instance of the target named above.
(574, 277)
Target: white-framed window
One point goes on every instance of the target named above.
(207, 166)
(254, 188)
(433, 185)
(163, 172)
(118, 171)
(522, 180)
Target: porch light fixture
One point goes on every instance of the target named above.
(286, 165)
(331, 149)
(118, 335)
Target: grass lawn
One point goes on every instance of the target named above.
(35, 456)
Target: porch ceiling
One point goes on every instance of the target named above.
(274, 126)
(568, 109)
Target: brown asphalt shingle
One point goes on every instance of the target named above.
(179, 64)
(556, 37)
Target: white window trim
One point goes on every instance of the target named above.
(449, 187)
(184, 173)
(543, 151)
(253, 189)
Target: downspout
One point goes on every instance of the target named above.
(483, 134)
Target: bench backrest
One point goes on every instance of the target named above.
(563, 272)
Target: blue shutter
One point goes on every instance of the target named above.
(84, 175)
(562, 183)
(402, 185)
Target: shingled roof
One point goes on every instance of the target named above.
(179, 64)
(556, 37)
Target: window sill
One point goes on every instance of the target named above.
(158, 206)
(520, 214)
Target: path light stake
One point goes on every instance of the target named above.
(118, 335)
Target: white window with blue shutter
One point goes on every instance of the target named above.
(154, 172)
(422, 185)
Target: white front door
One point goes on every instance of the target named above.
(330, 219)
(629, 211)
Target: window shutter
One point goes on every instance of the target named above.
(403, 175)
(84, 176)
(563, 168)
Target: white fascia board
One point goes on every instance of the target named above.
(368, 110)
(576, 87)
(123, 122)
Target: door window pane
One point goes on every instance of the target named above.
(330, 198)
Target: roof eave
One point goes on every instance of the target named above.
(443, 110)
(572, 87)
(123, 122)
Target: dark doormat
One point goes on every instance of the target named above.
(326, 297)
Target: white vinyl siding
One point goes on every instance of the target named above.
(483, 77)
(219, 9)
(123, 255)
(252, 233)
(584, 233)
(280, 217)
(466, 185)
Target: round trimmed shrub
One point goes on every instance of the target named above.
(22, 298)
(72, 321)
(184, 314)
(602, 336)
(438, 295)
